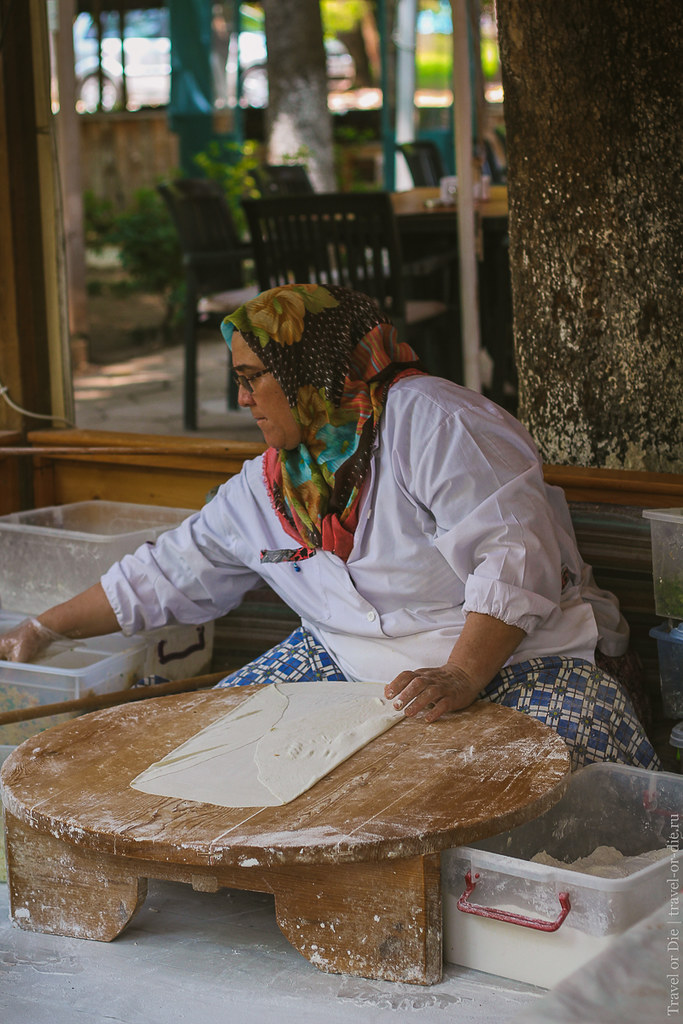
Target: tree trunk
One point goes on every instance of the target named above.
(298, 118)
(592, 111)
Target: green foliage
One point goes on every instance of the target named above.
(349, 135)
(347, 138)
(490, 58)
(342, 15)
(232, 166)
(301, 156)
(148, 242)
(251, 18)
(669, 596)
(149, 250)
(434, 63)
(99, 218)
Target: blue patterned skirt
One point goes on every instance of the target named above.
(586, 707)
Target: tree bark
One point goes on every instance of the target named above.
(298, 118)
(592, 111)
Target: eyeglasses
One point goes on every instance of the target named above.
(247, 382)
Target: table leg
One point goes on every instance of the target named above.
(374, 919)
(62, 889)
(377, 920)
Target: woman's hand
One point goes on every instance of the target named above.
(441, 689)
(26, 641)
(87, 614)
(480, 651)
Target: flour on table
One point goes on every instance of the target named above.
(274, 746)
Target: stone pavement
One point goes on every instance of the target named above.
(144, 394)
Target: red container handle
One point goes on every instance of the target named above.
(507, 915)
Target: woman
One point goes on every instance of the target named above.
(403, 517)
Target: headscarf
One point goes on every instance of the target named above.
(335, 355)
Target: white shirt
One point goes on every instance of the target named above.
(455, 517)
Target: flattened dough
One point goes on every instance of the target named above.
(274, 746)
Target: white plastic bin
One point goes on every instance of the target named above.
(670, 657)
(630, 809)
(66, 671)
(5, 752)
(676, 741)
(48, 555)
(666, 531)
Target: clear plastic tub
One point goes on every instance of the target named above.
(676, 741)
(670, 654)
(48, 555)
(66, 670)
(666, 528)
(5, 752)
(630, 810)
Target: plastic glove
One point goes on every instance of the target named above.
(26, 641)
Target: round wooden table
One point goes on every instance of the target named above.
(353, 863)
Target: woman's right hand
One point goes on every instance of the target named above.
(26, 641)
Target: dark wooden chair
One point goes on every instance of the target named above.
(495, 314)
(351, 239)
(282, 180)
(496, 158)
(424, 162)
(213, 259)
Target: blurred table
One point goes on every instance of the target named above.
(424, 203)
(428, 227)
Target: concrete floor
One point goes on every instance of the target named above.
(201, 958)
(198, 958)
(144, 394)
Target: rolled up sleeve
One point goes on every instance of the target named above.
(513, 605)
(495, 529)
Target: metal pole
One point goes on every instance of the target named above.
(386, 113)
(462, 101)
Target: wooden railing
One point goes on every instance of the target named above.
(80, 465)
(148, 469)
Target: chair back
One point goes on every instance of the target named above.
(424, 162)
(283, 180)
(337, 238)
(495, 160)
(211, 247)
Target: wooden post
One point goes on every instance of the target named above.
(70, 161)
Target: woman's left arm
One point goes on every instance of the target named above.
(480, 651)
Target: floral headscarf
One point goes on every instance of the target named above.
(335, 355)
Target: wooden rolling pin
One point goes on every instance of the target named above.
(93, 702)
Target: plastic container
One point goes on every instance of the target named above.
(666, 527)
(65, 671)
(50, 554)
(5, 752)
(630, 809)
(670, 654)
(676, 741)
(178, 652)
